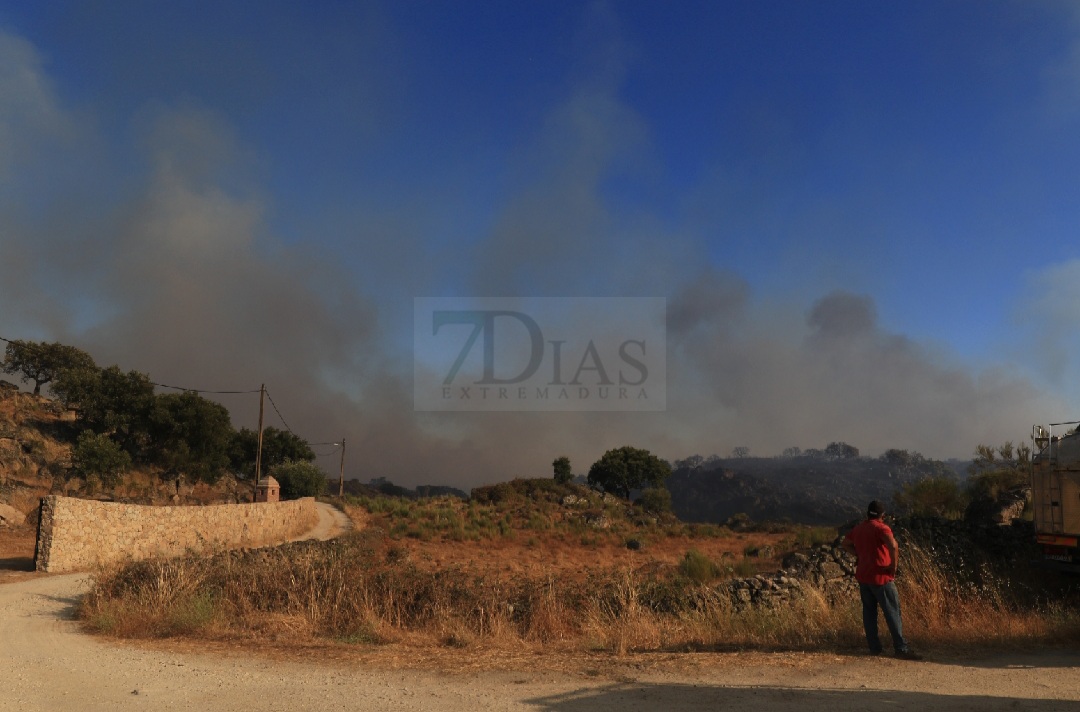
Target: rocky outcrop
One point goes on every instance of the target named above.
(10, 517)
(1000, 510)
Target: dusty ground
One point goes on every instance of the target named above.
(562, 553)
(47, 664)
(551, 554)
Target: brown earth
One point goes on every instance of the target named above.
(547, 552)
(16, 553)
(552, 554)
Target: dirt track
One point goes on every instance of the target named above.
(46, 664)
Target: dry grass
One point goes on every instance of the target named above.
(984, 612)
(537, 537)
(365, 590)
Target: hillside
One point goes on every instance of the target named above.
(809, 489)
(34, 454)
(35, 460)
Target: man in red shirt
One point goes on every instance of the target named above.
(873, 544)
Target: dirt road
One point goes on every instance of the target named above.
(46, 664)
(332, 522)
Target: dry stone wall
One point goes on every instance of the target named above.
(79, 534)
(828, 568)
(969, 551)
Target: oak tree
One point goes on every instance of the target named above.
(628, 468)
(42, 362)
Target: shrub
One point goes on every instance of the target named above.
(739, 522)
(495, 494)
(656, 500)
(698, 567)
(992, 483)
(299, 479)
(96, 455)
(814, 536)
(743, 568)
(932, 497)
(707, 531)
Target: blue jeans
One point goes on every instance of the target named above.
(888, 600)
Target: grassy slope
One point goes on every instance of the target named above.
(535, 571)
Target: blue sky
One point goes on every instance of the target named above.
(237, 191)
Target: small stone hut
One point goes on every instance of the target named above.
(268, 490)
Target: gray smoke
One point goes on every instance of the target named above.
(177, 273)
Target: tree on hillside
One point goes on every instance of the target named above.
(278, 446)
(628, 468)
(299, 478)
(42, 362)
(689, 463)
(740, 452)
(900, 459)
(190, 434)
(110, 402)
(995, 470)
(841, 451)
(563, 473)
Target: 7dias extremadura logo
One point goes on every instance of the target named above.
(542, 354)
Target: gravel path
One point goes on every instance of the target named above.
(46, 664)
(332, 522)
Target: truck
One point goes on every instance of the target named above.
(1055, 494)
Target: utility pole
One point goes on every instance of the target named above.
(258, 452)
(341, 478)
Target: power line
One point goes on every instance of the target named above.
(279, 415)
(200, 390)
(164, 385)
(217, 392)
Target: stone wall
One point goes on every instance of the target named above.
(828, 568)
(972, 552)
(79, 534)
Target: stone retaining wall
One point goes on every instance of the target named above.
(79, 534)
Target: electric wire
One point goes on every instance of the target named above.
(227, 392)
(279, 414)
(200, 390)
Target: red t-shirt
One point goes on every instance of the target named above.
(870, 539)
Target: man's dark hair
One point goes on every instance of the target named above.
(875, 509)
